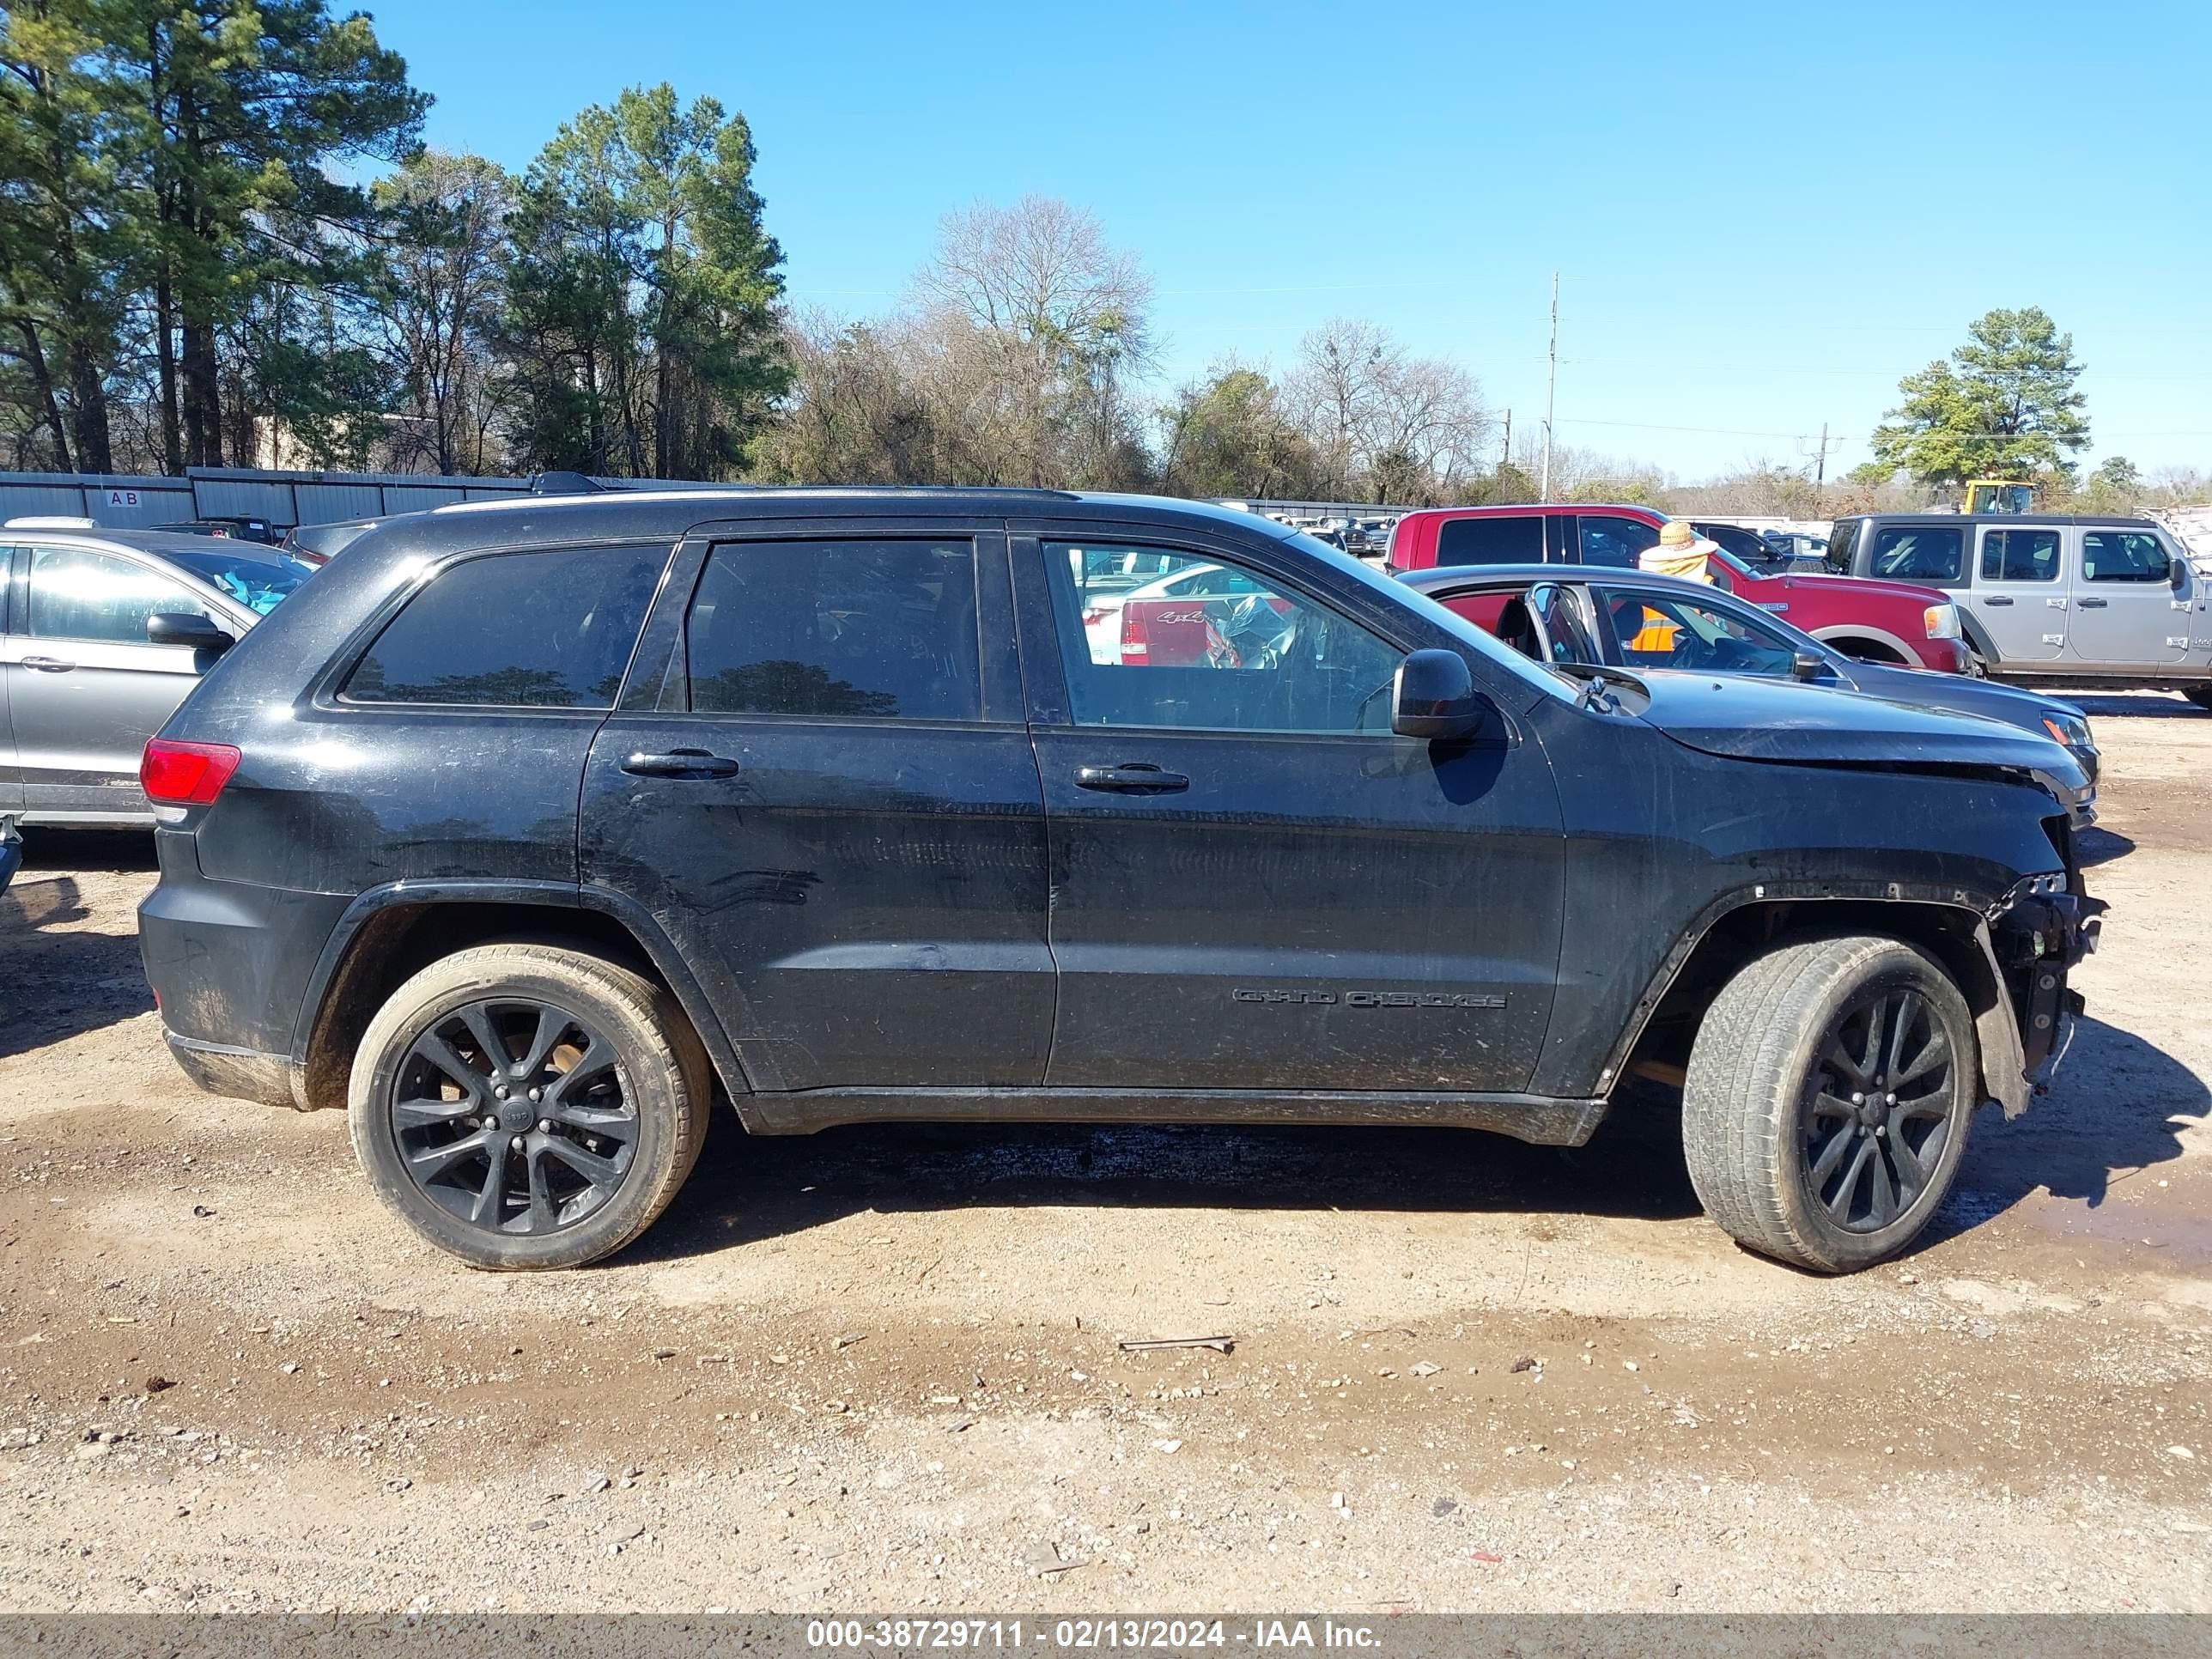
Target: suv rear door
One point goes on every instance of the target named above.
(2135, 600)
(824, 793)
(1256, 886)
(2018, 594)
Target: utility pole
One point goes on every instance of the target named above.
(1820, 464)
(1506, 455)
(1551, 390)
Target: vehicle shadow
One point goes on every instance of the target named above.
(748, 1188)
(2095, 846)
(2140, 705)
(2118, 1105)
(57, 981)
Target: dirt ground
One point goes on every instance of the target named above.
(877, 1369)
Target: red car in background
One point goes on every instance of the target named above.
(1881, 621)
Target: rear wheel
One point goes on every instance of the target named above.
(528, 1105)
(1828, 1100)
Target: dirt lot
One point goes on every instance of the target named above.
(877, 1369)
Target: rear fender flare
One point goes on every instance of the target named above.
(700, 1009)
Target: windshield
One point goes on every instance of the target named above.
(257, 580)
(1459, 628)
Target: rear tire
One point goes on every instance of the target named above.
(528, 1106)
(1828, 1101)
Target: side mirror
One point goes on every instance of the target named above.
(1808, 666)
(186, 628)
(1434, 697)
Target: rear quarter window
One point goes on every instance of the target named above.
(515, 630)
(1918, 553)
(1510, 539)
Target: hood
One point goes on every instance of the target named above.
(1959, 694)
(1870, 585)
(1749, 719)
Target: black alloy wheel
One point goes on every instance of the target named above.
(1879, 1115)
(509, 1114)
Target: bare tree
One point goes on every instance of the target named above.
(1388, 425)
(1033, 329)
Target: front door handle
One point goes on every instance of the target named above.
(1996, 598)
(2092, 605)
(49, 665)
(680, 763)
(1137, 778)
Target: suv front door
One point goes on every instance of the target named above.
(2135, 604)
(824, 793)
(1256, 886)
(85, 690)
(2018, 594)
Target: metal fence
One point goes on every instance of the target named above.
(285, 498)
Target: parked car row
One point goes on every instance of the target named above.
(524, 830)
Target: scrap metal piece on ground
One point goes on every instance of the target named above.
(1219, 1344)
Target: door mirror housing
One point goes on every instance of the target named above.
(1434, 697)
(1808, 666)
(186, 628)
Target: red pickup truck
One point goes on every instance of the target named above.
(1873, 621)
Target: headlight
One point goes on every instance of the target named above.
(2071, 730)
(1942, 622)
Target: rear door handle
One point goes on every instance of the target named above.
(680, 763)
(2090, 605)
(1137, 778)
(49, 665)
(1996, 598)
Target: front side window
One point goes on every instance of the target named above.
(1255, 657)
(1509, 538)
(843, 629)
(1615, 542)
(1659, 630)
(1918, 553)
(515, 630)
(2019, 556)
(2124, 556)
(77, 594)
(1838, 553)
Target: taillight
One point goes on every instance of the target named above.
(175, 774)
(1136, 638)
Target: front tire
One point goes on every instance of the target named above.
(1828, 1101)
(528, 1106)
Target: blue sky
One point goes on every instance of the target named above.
(1762, 214)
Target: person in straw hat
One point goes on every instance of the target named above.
(1680, 551)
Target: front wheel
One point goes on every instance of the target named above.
(528, 1105)
(2200, 696)
(1828, 1100)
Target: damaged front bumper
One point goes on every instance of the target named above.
(2036, 934)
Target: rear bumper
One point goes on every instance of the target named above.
(241, 1074)
(228, 963)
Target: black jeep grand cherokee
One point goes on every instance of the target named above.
(532, 825)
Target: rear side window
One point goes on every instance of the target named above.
(2019, 556)
(1509, 540)
(1918, 553)
(2124, 556)
(516, 631)
(868, 629)
(1617, 543)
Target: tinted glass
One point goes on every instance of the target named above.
(1753, 549)
(2019, 556)
(1262, 659)
(1490, 541)
(1663, 631)
(1839, 551)
(2124, 556)
(855, 629)
(520, 630)
(1617, 543)
(1919, 553)
(257, 580)
(79, 595)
